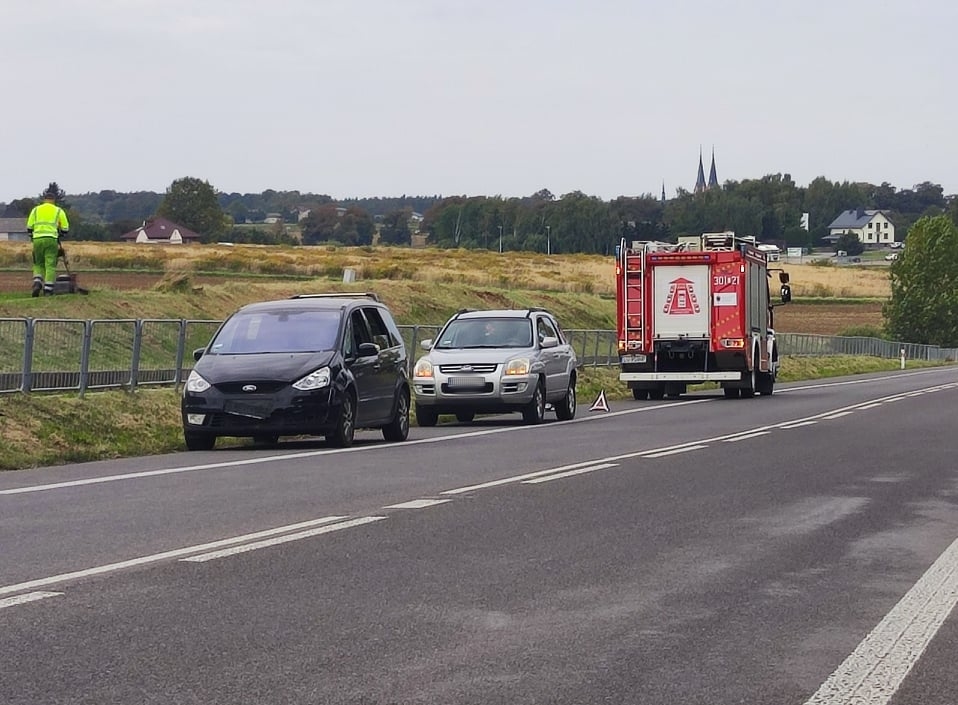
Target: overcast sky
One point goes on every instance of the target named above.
(357, 98)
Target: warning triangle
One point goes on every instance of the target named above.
(600, 403)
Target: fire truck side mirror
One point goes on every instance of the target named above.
(786, 293)
(783, 277)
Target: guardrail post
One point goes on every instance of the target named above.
(85, 356)
(137, 346)
(26, 382)
(180, 352)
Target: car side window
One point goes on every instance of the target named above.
(544, 329)
(378, 329)
(360, 331)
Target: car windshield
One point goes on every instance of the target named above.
(486, 333)
(252, 332)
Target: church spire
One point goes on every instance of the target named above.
(713, 178)
(663, 193)
(700, 180)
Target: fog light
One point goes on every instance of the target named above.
(195, 419)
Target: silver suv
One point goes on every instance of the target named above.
(489, 362)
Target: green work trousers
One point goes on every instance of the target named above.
(45, 250)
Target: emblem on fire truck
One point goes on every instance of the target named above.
(681, 300)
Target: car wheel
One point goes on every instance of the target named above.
(535, 411)
(565, 409)
(199, 441)
(266, 439)
(426, 416)
(342, 436)
(397, 430)
(465, 416)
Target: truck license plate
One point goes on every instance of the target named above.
(633, 358)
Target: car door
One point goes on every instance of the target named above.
(386, 369)
(364, 369)
(556, 359)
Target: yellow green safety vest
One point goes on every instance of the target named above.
(47, 220)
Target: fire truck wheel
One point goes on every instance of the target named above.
(731, 392)
(535, 412)
(657, 394)
(640, 394)
(766, 383)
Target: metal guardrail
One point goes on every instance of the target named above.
(59, 354)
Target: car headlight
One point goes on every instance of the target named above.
(314, 380)
(519, 366)
(423, 368)
(196, 384)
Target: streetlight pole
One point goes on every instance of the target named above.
(500, 239)
(548, 239)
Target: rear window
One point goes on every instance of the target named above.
(277, 331)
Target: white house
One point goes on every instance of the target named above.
(871, 226)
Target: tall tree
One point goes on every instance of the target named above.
(192, 202)
(924, 285)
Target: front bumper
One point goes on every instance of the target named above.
(482, 393)
(288, 412)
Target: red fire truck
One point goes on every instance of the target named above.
(696, 311)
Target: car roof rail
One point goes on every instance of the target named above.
(464, 310)
(339, 295)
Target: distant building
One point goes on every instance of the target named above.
(871, 226)
(14, 230)
(701, 185)
(162, 232)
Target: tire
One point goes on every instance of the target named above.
(342, 436)
(657, 394)
(766, 384)
(565, 409)
(535, 410)
(425, 416)
(640, 394)
(266, 439)
(731, 392)
(465, 416)
(397, 430)
(199, 441)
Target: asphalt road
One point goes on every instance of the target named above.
(793, 549)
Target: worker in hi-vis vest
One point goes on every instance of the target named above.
(46, 223)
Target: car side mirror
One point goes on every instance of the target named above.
(786, 293)
(426, 344)
(549, 342)
(367, 350)
(198, 353)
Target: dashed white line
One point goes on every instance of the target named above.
(29, 597)
(203, 557)
(675, 451)
(746, 436)
(175, 553)
(418, 504)
(799, 424)
(875, 670)
(870, 406)
(569, 473)
(837, 416)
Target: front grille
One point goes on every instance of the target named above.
(268, 387)
(482, 368)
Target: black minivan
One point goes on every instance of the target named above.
(314, 364)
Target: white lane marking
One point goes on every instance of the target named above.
(799, 425)
(664, 453)
(875, 670)
(868, 406)
(569, 473)
(530, 475)
(837, 416)
(29, 597)
(175, 553)
(203, 557)
(746, 436)
(418, 504)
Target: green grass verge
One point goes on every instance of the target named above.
(53, 429)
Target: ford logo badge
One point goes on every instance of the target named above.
(249, 387)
